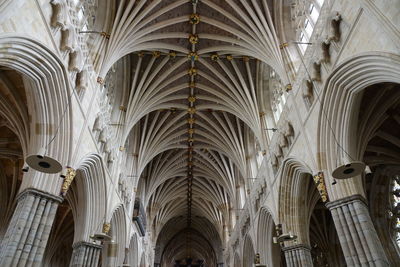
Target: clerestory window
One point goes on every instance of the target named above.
(305, 14)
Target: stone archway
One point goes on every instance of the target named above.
(248, 252)
(270, 253)
(378, 128)
(343, 138)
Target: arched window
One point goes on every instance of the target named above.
(278, 98)
(394, 213)
(83, 14)
(305, 14)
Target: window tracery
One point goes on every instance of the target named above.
(305, 14)
(278, 97)
(394, 213)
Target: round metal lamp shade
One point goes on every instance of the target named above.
(43, 164)
(349, 170)
(101, 237)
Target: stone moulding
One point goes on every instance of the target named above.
(40, 193)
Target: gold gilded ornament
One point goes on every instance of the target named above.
(193, 56)
(194, 19)
(214, 57)
(106, 227)
(191, 110)
(193, 38)
(192, 99)
(192, 71)
(69, 177)
(172, 54)
(156, 54)
(320, 183)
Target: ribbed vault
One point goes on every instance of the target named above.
(192, 117)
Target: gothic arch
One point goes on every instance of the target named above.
(340, 101)
(297, 197)
(133, 252)
(270, 253)
(89, 198)
(48, 100)
(248, 251)
(118, 233)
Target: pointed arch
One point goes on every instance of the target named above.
(88, 198)
(270, 253)
(48, 101)
(297, 197)
(248, 251)
(340, 102)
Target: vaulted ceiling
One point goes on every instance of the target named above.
(192, 73)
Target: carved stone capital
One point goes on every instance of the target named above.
(37, 192)
(345, 201)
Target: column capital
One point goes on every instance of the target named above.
(298, 246)
(37, 192)
(87, 244)
(346, 200)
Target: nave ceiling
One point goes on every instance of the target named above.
(190, 77)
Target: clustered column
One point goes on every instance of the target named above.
(357, 235)
(25, 240)
(85, 255)
(298, 255)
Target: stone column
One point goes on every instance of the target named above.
(85, 254)
(357, 235)
(298, 255)
(29, 229)
(112, 254)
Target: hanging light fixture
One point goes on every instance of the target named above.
(103, 236)
(349, 170)
(43, 163)
(284, 237)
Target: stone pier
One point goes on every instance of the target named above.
(29, 229)
(357, 235)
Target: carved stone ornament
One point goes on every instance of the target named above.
(308, 91)
(68, 38)
(278, 151)
(76, 60)
(325, 47)
(320, 183)
(69, 177)
(335, 28)
(106, 227)
(283, 142)
(316, 72)
(59, 16)
(82, 79)
(288, 129)
(274, 160)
